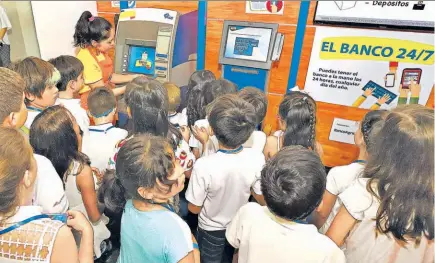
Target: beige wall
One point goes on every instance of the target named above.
(22, 35)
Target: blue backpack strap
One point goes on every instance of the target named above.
(19, 224)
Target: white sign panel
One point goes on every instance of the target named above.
(343, 131)
(265, 7)
(371, 69)
(55, 23)
(389, 13)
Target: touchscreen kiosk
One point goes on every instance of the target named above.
(247, 51)
(157, 43)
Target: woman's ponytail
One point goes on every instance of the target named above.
(90, 28)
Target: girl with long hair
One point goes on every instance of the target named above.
(387, 215)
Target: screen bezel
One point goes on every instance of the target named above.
(244, 62)
(369, 25)
(267, 55)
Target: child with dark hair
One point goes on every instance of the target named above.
(147, 106)
(56, 135)
(202, 142)
(297, 121)
(387, 215)
(193, 103)
(258, 99)
(147, 177)
(341, 177)
(40, 92)
(103, 136)
(292, 182)
(221, 183)
(69, 85)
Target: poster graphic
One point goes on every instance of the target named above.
(389, 13)
(343, 131)
(370, 69)
(265, 7)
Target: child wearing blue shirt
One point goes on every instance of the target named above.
(148, 174)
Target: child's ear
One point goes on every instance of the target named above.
(89, 114)
(146, 193)
(27, 181)
(210, 131)
(72, 85)
(30, 97)
(10, 120)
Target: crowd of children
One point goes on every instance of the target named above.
(75, 184)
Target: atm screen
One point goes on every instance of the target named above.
(141, 60)
(249, 43)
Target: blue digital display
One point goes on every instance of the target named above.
(142, 60)
(248, 43)
(244, 46)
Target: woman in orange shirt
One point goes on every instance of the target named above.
(95, 37)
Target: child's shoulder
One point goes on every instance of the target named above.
(114, 133)
(252, 154)
(252, 209)
(121, 132)
(345, 170)
(322, 243)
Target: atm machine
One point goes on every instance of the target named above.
(247, 52)
(157, 43)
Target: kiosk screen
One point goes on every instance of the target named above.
(141, 60)
(248, 43)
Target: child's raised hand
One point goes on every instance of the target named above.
(78, 221)
(185, 132)
(200, 134)
(97, 174)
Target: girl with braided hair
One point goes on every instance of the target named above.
(297, 122)
(341, 177)
(388, 212)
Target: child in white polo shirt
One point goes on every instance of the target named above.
(221, 183)
(69, 85)
(341, 177)
(292, 183)
(103, 136)
(258, 99)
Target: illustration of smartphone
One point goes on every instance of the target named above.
(410, 74)
(390, 80)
